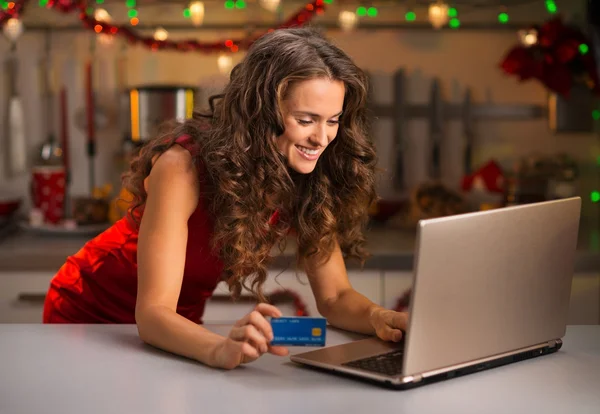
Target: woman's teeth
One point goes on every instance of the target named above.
(308, 151)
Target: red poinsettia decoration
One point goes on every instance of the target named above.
(560, 57)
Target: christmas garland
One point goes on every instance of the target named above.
(560, 57)
(285, 295)
(301, 17)
(14, 9)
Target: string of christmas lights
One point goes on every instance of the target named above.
(86, 15)
(10, 9)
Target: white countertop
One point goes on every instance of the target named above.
(106, 369)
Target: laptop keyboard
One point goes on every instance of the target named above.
(387, 364)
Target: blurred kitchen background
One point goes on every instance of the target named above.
(477, 104)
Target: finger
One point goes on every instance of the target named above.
(250, 353)
(263, 309)
(399, 320)
(278, 350)
(268, 310)
(249, 333)
(258, 320)
(389, 334)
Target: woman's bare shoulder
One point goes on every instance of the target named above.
(173, 170)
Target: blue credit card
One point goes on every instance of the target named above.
(299, 331)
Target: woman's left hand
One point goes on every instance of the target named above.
(389, 325)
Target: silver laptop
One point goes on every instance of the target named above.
(490, 288)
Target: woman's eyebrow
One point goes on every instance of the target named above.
(312, 114)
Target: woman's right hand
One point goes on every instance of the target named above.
(249, 338)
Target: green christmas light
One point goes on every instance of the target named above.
(99, 1)
(595, 196)
(4, 4)
(452, 12)
(132, 13)
(551, 6)
(89, 11)
(410, 16)
(503, 17)
(454, 23)
(361, 11)
(187, 13)
(43, 3)
(372, 12)
(596, 114)
(130, 3)
(327, 1)
(584, 49)
(240, 4)
(229, 4)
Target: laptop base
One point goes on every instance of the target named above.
(396, 384)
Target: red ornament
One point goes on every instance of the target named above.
(555, 60)
(489, 178)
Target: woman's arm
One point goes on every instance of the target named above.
(347, 309)
(173, 194)
(172, 189)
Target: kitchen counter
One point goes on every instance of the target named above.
(391, 250)
(107, 369)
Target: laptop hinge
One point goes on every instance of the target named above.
(554, 343)
(412, 378)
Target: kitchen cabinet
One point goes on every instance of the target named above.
(585, 299)
(21, 296)
(366, 282)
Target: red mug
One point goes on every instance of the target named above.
(48, 191)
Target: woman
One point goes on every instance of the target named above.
(285, 147)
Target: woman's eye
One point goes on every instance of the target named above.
(304, 122)
(334, 122)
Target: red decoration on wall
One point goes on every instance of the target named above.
(300, 18)
(556, 60)
(403, 302)
(285, 295)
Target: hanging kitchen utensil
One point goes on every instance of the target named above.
(91, 131)
(50, 152)
(468, 130)
(64, 139)
(69, 71)
(121, 91)
(399, 128)
(16, 145)
(436, 119)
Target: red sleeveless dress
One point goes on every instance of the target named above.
(98, 284)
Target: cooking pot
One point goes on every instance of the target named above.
(152, 106)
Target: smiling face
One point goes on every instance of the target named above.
(311, 113)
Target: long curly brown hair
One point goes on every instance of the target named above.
(248, 179)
